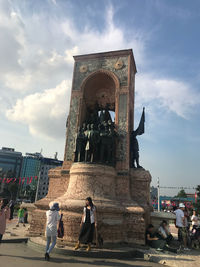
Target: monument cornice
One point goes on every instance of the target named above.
(117, 53)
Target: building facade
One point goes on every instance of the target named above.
(36, 166)
(10, 165)
(30, 168)
(43, 181)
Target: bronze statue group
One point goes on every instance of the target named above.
(96, 139)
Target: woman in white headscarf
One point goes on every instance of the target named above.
(53, 218)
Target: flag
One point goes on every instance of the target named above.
(195, 197)
(140, 129)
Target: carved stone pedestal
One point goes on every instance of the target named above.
(140, 180)
(119, 220)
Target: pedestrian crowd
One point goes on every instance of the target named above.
(160, 239)
(188, 235)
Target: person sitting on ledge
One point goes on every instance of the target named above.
(152, 240)
(155, 240)
(164, 232)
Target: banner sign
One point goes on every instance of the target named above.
(19, 180)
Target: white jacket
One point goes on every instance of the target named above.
(52, 220)
(92, 219)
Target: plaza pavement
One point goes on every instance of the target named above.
(82, 258)
(21, 255)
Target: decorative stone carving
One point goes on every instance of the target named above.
(83, 68)
(121, 194)
(119, 65)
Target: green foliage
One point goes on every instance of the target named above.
(197, 204)
(13, 188)
(198, 190)
(181, 194)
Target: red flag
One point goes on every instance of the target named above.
(9, 180)
(29, 181)
(14, 180)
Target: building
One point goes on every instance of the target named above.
(10, 165)
(154, 192)
(36, 166)
(46, 165)
(30, 168)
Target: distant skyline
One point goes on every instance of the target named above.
(37, 42)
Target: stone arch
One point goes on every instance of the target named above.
(101, 71)
(99, 89)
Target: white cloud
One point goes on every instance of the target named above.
(18, 81)
(172, 95)
(39, 54)
(45, 113)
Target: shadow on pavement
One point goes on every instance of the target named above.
(75, 261)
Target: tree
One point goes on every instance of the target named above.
(197, 203)
(13, 189)
(198, 190)
(181, 194)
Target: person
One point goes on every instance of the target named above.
(187, 218)
(20, 215)
(164, 232)
(4, 215)
(195, 233)
(152, 240)
(25, 215)
(181, 225)
(12, 207)
(88, 224)
(194, 220)
(53, 218)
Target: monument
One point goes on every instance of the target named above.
(100, 153)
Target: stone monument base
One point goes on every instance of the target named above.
(121, 219)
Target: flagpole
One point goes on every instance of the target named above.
(158, 189)
(38, 184)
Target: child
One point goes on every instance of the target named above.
(20, 215)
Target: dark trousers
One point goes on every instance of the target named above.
(157, 243)
(1, 236)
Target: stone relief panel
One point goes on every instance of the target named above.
(121, 153)
(118, 65)
(72, 128)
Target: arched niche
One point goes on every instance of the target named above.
(99, 90)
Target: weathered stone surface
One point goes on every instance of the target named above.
(71, 130)
(104, 63)
(140, 180)
(120, 194)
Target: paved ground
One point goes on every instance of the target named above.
(13, 232)
(21, 255)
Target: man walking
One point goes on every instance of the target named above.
(181, 225)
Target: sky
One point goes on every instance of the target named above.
(37, 42)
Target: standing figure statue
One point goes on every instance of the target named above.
(107, 115)
(134, 146)
(88, 144)
(134, 151)
(105, 145)
(113, 138)
(80, 143)
(92, 138)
